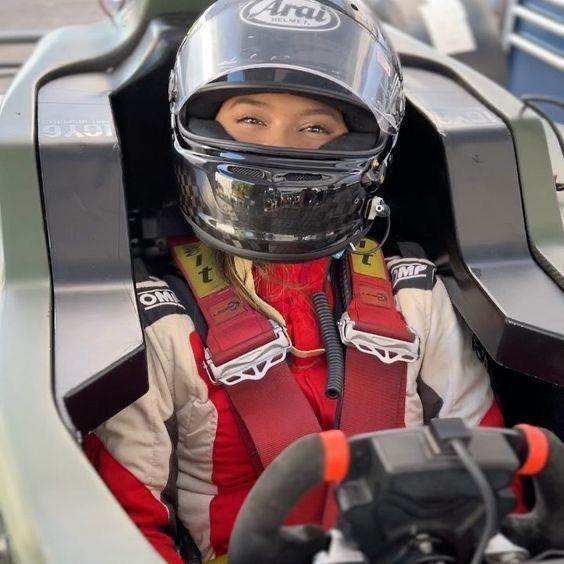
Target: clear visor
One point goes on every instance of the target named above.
(341, 57)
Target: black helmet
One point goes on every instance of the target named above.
(284, 204)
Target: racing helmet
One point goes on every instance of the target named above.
(284, 204)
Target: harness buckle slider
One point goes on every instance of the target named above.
(387, 349)
(252, 365)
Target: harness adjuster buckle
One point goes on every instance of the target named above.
(387, 349)
(252, 365)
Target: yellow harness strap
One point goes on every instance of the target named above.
(195, 258)
(218, 560)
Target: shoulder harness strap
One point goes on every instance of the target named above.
(245, 352)
(241, 346)
(380, 344)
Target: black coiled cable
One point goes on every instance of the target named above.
(332, 344)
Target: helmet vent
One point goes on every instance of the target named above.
(244, 171)
(294, 177)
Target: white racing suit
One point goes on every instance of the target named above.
(177, 452)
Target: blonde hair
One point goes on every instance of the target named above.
(238, 273)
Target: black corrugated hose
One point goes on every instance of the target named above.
(332, 344)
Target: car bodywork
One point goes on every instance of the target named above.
(75, 187)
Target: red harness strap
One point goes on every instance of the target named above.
(245, 352)
(374, 396)
(243, 345)
(272, 423)
(379, 346)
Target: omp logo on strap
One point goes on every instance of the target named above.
(413, 275)
(290, 14)
(151, 299)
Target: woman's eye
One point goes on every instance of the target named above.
(250, 120)
(316, 129)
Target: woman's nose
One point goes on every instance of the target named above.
(279, 136)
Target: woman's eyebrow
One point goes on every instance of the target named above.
(323, 112)
(251, 101)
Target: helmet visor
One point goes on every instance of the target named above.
(300, 45)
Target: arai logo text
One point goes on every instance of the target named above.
(290, 14)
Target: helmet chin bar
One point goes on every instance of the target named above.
(272, 207)
(282, 257)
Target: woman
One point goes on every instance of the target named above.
(284, 116)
